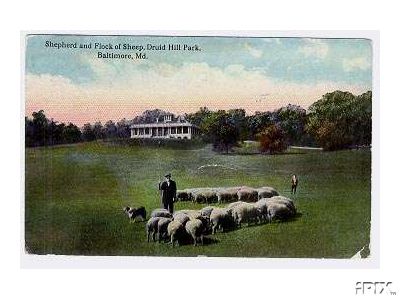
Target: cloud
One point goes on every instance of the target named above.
(257, 53)
(357, 63)
(125, 90)
(314, 48)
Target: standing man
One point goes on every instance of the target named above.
(295, 182)
(168, 193)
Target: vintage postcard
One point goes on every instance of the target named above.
(234, 145)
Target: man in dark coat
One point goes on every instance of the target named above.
(168, 193)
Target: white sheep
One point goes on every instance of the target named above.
(183, 195)
(262, 206)
(245, 213)
(175, 229)
(220, 218)
(161, 212)
(228, 194)
(266, 192)
(181, 217)
(279, 210)
(206, 211)
(246, 193)
(192, 213)
(284, 200)
(233, 204)
(152, 227)
(162, 228)
(195, 228)
(205, 195)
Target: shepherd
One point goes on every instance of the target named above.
(295, 182)
(168, 193)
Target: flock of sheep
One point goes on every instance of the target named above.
(226, 194)
(247, 206)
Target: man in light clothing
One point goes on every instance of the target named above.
(295, 182)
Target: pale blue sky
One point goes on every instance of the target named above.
(289, 59)
(256, 74)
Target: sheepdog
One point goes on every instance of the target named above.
(135, 213)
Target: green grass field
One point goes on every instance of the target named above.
(74, 197)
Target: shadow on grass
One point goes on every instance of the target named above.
(297, 216)
(260, 154)
(187, 240)
(288, 220)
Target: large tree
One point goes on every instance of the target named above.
(292, 120)
(88, 133)
(110, 130)
(257, 122)
(40, 131)
(123, 129)
(221, 129)
(340, 120)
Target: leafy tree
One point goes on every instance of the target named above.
(220, 128)
(238, 118)
(292, 120)
(123, 129)
(361, 127)
(40, 131)
(39, 123)
(199, 117)
(98, 130)
(110, 130)
(340, 120)
(272, 140)
(29, 132)
(71, 134)
(257, 122)
(88, 133)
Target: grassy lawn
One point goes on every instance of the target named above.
(74, 197)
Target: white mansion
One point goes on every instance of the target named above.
(166, 126)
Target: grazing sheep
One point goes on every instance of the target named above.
(205, 195)
(220, 218)
(245, 213)
(182, 218)
(183, 195)
(247, 194)
(195, 228)
(182, 211)
(194, 214)
(175, 230)
(266, 192)
(228, 194)
(152, 228)
(233, 204)
(161, 212)
(162, 228)
(262, 207)
(284, 200)
(279, 210)
(191, 213)
(206, 211)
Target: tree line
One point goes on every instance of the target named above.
(338, 120)
(41, 131)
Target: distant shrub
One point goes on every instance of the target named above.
(272, 140)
